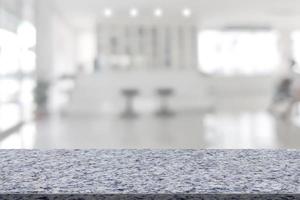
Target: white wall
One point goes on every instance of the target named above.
(56, 51)
(56, 42)
(64, 46)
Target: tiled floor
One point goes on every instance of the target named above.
(217, 129)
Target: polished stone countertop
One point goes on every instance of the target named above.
(125, 172)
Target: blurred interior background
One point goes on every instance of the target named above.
(149, 74)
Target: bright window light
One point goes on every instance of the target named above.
(27, 61)
(8, 89)
(27, 87)
(9, 52)
(238, 52)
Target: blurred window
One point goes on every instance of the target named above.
(232, 53)
(9, 51)
(17, 66)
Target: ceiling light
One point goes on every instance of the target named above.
(186, 12)
(108, 12)
(158, 12)
(133, 12)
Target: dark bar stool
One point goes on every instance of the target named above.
(164, 94)
(129, 95)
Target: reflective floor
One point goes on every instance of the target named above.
(216, 129)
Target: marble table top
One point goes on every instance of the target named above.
(153, 172)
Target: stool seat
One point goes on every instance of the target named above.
(165, 91)
(164, 94)
(129, 94)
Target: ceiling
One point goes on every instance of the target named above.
(84, 13)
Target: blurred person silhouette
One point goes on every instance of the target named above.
(287, 93)
(97, 66)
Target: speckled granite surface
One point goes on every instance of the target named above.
(190, 172)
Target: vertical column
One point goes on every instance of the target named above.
(127, 45)
(148, 47)
(194, 47)
(122, 45)
(168, 48)
(111, 43)
(134, 46)
(44, 53)
(99, 38)
(27, 10)
(141, 46)
(175, 47)
(106, 49)
(188, 47)
(99, 49)
(119, 38)
(161, 47)
(44, 45)
(28, 15)
(114, 46)
(181, 47)
(154, 47)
